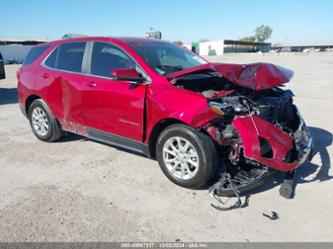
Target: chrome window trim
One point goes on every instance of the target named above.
(146, 76)
(62, 70)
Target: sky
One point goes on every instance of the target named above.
(292, 21)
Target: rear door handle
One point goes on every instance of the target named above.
(45, 75)
(91, 84)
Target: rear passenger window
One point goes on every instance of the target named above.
(107, 57)
(34, 53)
(70, 56)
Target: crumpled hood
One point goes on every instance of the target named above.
(255, 76)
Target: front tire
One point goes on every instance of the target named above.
(186, 156)
(42, 122)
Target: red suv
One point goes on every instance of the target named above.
(162, 100)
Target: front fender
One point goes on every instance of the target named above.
(168, 103)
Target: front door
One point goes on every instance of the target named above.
(113, 107)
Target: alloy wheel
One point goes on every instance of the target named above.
(40, 121)
(180, 158)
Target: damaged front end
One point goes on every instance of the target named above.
(267, 129)
(258, 135)
(258, 130)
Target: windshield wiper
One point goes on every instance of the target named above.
(168, 67)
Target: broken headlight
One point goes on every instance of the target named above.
(231, 106)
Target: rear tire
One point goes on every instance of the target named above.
(186, 156)
(42, 122)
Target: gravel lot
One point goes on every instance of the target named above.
(80, 190)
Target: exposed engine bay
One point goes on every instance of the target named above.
(257, 131)
(273, 105)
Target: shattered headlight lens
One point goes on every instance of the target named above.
(217, 110)
(230, 106)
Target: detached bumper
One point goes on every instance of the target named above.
(270, 146)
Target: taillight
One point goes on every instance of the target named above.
(18, 74)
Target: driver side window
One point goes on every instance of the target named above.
(106, 58)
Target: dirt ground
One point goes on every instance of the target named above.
(80, 190)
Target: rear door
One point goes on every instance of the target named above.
(115, 107)
(2, 68)
(62, 74)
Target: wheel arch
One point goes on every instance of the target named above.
(158, 128)
(29, 101)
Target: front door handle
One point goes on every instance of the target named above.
(91, 84)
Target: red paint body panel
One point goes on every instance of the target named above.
(257, 76)
(111, 106)
(114, 106)
(250, 128)
(125, 73)
(132, 111)
(165, 102)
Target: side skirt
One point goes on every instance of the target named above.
(118, 141)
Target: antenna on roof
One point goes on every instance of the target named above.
(71, 35)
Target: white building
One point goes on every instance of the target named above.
(211, 48)
(220, 47)
(16, 49)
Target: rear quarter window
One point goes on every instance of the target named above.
(52, 58)
(34, 54)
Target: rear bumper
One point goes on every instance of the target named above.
(253, 130)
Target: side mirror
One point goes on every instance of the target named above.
(127, 74)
